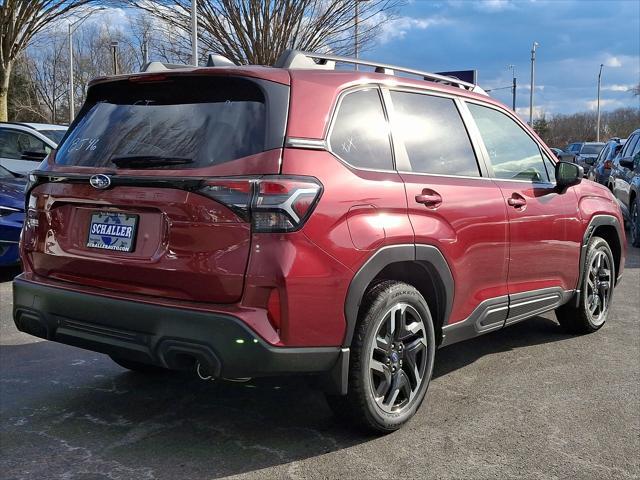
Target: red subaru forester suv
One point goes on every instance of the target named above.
(302, 219)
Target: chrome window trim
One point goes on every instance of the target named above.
(407, 172)
(305, 143)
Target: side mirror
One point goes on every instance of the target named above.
(37, 156)
(590, 161)
(626, 162)
(568, 174)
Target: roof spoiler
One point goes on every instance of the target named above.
(214, 60)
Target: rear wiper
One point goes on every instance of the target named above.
(148, 161)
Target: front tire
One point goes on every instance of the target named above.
(596, 291)
(392, 356)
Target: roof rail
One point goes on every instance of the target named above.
(300, 59)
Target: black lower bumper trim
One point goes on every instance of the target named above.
(170, 337)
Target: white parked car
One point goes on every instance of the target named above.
(24, 145)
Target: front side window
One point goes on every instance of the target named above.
(360, 134)
(551, 168)
(434, 134)
(18, 145)
(513, 154)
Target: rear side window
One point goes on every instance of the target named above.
(513, 154)
(434, 135)
(179, 122)
(360, 134)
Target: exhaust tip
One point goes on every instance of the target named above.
(186, 356)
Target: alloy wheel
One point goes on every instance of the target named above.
(398, 359)
(598, 288)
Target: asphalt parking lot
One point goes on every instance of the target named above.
(526, 402)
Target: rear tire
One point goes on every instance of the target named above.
(596, 291)
(634, 222)
(392, 356)
(138, 366)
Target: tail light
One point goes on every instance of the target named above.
(271, 203)
(608, 164)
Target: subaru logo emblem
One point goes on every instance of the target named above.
(100, 181)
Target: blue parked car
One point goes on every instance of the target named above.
(602, 167)
(11, 215)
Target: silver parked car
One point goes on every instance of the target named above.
(24, 145)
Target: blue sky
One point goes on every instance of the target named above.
(575, 37)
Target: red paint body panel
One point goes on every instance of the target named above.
(188, 246)
(471, 230)
(545, 237)
(344, 189)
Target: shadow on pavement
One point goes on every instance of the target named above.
(8, 273)
(177, 425)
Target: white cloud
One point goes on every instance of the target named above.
(616, 88)
(399, 27)
(604, 102)
(484, 5)
(494, 5)
(612, 61)
(538, 112)
(527, 87)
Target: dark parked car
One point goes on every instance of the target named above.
(251, 221)
(557, 152)
(601, 169)
(574, 148)
(587, 155)
(624, 182)
(11, 215)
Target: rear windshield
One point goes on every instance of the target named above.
(176, 122)
(591, 149)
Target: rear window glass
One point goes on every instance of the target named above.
(591, 149)
(180, 122)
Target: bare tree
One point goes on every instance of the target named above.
(258, 31)
(20, 20)
(561, 130)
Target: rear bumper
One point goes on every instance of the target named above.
(170, 337)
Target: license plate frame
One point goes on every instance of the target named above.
(114, 231)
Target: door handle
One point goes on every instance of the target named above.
(517, 201)
(429, 198)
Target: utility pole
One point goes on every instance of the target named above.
(194, 32)
(73, 26)
(114, 51)
(598, 105)
(513, 88)
(533, 75)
